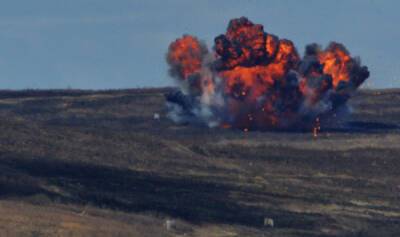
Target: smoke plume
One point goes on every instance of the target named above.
(251, 79)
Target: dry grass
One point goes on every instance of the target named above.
(87, 163)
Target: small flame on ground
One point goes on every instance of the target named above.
(317, 128)
(225, 125)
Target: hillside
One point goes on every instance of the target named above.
(97, 163)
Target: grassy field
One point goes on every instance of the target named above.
(96, 163)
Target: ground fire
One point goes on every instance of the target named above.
(254, 80)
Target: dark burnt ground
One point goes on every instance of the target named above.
(103, 151)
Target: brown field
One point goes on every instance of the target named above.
(96, 163)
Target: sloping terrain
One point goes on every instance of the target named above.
(98, 163)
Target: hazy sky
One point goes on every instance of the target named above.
(101, 44)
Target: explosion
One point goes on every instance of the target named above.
(254, 80)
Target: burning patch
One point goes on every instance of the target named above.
(254, 80)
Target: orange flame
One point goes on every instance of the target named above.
(335, 61)
(187, 53)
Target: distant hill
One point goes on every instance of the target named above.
(99, 163)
